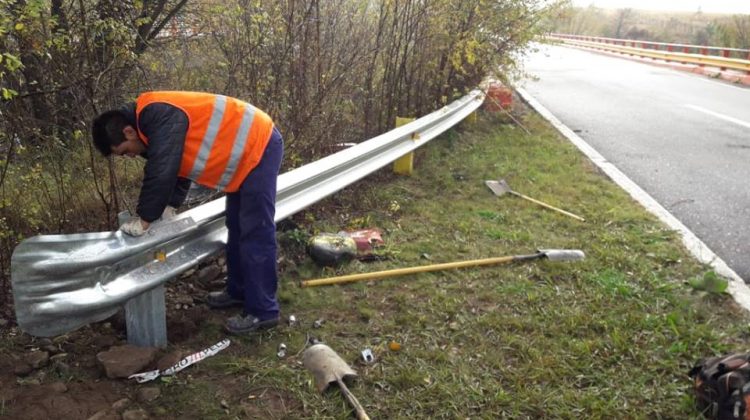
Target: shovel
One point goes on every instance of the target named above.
(550, 254)
(501, 187)
(328, 367)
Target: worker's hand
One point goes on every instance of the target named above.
(169, 212)
(135, 227)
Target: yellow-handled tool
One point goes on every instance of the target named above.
(501, 187)
(550, 254)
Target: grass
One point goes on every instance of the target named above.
(609, 337)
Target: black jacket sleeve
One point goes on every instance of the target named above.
(165, 126)
(180, 192)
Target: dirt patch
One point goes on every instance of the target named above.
(182, 325)
(73, 401)
(270, 402)
(70, 384)
(60, 377)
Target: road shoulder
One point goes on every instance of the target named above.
(737, 287)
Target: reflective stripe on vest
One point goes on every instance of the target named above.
(208, 139)
(225, 140)
(240, 141)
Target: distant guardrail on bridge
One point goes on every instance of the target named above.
(723, 58)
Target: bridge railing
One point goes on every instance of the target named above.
(62, 282)
(723, 58)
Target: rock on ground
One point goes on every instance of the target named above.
(37, 359)
(170, 359)
(105, 415)
(58, 387)
(121, 405)
(123, 361)
(139, 414)
(147, 394)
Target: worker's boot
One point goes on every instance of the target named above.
(222, 299)
(245, 324)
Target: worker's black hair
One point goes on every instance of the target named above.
(106, 130)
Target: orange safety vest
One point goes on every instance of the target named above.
(225, 139)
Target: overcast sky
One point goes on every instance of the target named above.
(707, 6)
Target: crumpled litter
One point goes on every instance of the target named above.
(182, 364)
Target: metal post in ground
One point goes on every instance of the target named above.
(146, 314)
(405, 164)
(146, 319)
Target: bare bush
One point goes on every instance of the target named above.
(326, 71)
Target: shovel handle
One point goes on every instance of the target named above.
(567, 213)
(379, 275)
(361, 415)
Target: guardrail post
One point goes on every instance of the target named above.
(146, 319)
(725, 54)
(146, 314)
(405, 164)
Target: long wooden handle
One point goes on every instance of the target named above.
(361, 414)
(567, 213)
(378, 275)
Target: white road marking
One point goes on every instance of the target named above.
(719, 116)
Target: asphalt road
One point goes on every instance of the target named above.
(683, 138)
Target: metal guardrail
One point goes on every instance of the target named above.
(62, 282)
(685, 48)
(669, 52)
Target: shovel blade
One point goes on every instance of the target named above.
(498, 187)
(326, 366)
(563, 254)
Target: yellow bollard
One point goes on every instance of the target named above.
(405, 164)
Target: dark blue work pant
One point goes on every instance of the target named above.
(251, 246)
